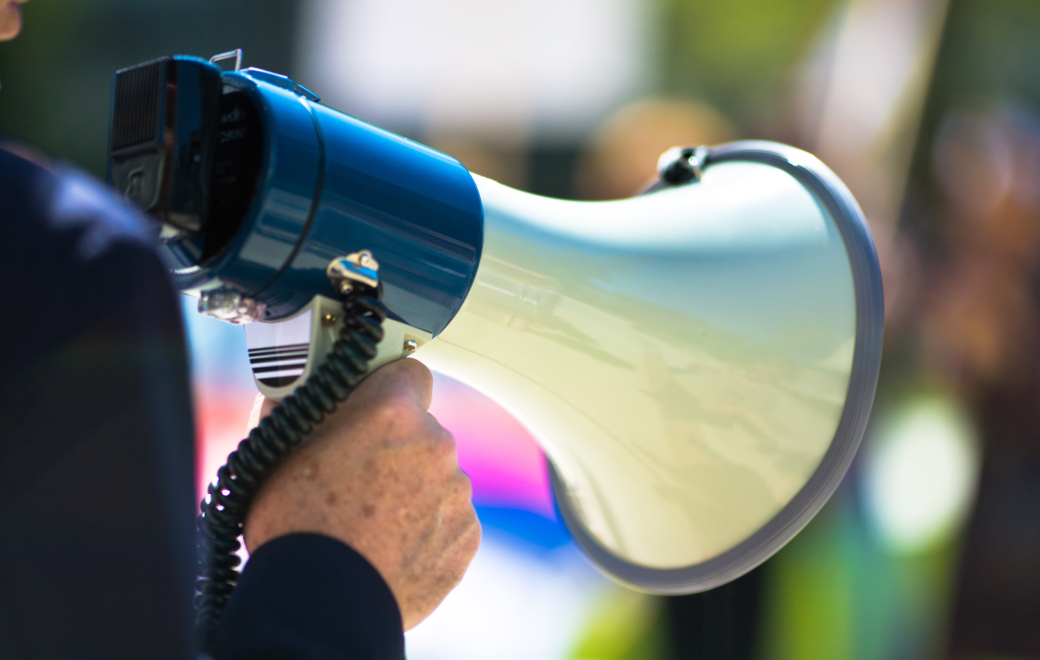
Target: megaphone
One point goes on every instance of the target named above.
(697, 362)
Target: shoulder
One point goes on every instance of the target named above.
(41, 198)
(73, 255)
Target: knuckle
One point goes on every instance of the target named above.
(472, 535)
(394, 412)
(443, 440)
(445, 456)
(441, 447)
(463, 486)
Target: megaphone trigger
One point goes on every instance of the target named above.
(284, 353)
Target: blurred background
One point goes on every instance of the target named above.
(928, 109)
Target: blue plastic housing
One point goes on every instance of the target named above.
(330, 185)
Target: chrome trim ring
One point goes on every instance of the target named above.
(866, 362)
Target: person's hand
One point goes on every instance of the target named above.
(381, 475)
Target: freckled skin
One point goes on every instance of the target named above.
(382, 476)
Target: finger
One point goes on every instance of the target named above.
(401, 381)
(442, 444)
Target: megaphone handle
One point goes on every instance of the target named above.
(222, 516)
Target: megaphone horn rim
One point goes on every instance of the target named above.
(764, 543)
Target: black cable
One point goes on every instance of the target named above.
(223, 511)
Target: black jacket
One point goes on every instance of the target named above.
(97, 495)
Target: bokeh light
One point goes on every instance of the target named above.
(921, 470)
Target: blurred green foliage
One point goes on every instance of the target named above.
(739, 55)
(624, 625)
(834, 593)
(56, 76)
(989, 52)
(991, 47)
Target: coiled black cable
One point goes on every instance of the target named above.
(223, 511)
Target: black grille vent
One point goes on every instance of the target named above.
(136, 109)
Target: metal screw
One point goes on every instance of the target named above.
(681, 165)
(230, 306)
(410, 345)
(359, 267)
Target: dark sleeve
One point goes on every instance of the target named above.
(97, 483)
(310, 597)
(97, 492)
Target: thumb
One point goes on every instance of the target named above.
(404, 381)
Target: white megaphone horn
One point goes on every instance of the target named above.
(698, 362)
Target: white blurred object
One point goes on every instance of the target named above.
(921, 475)
(467, 67)
(218, 350)
(859, 107)
(863, 94)
(514, 603)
